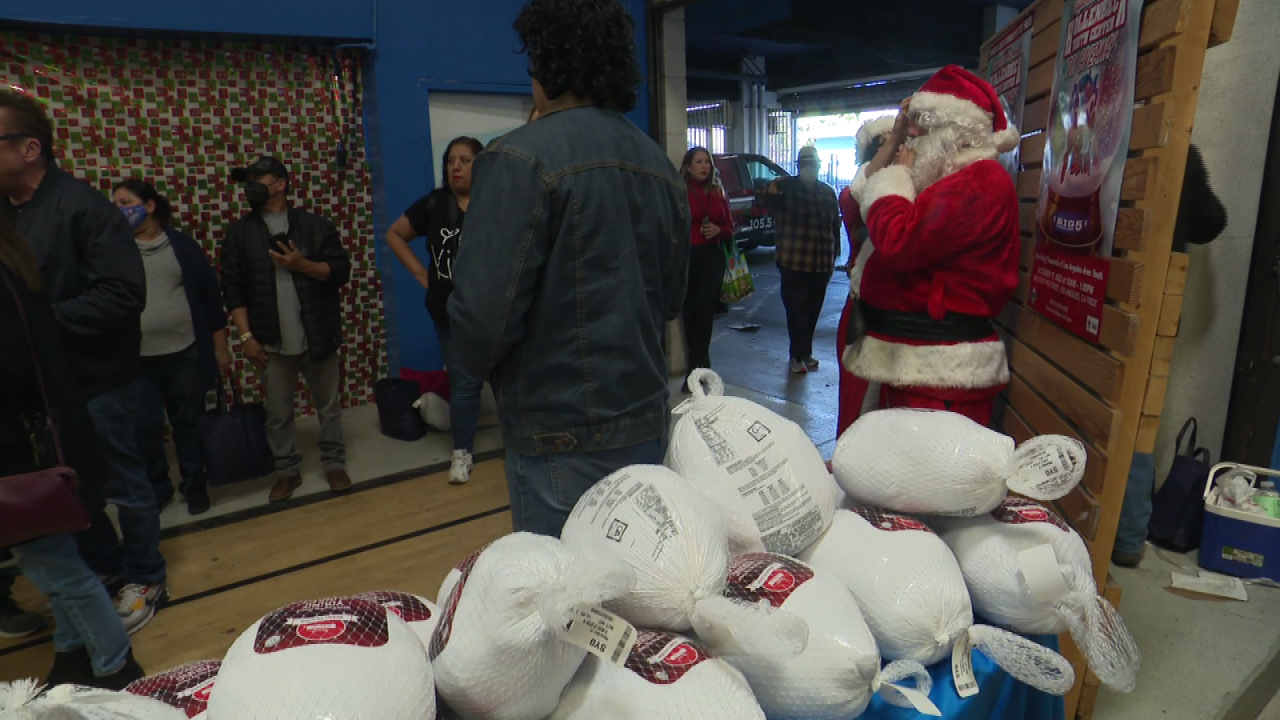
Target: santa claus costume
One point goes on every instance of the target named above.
(943, 256)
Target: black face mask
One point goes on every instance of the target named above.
(257, 193)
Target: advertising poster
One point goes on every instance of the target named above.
(1007, 73)
(1090, 112)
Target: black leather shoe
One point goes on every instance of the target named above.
(71, 668)
(198, 499)
(122, 678)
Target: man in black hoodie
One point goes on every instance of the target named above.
(94, 277)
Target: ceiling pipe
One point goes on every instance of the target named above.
(877, 80)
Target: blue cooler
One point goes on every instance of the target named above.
(1239, 543)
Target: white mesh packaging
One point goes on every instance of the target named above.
(759, 468)
(498, 651)
(839, 669)
(421, 614)
(666, 676)
(21, 700)
(913, 596)
(338, 657)
(941, 463)
(186, 687)
(1050, 589)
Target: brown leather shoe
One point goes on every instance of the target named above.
(284, 487)
(339, 481)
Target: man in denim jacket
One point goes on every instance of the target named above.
(574, 257)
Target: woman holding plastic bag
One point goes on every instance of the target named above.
(711, 228)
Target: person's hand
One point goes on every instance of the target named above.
(906, 157)
(902, 122)
(423, 279)
(224, 362)
(256, 354)
(289, 257)
(710, 230)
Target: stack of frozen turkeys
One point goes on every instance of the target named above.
(724, 586)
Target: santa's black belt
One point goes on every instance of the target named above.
(953, 327)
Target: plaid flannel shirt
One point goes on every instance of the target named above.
(808, 224)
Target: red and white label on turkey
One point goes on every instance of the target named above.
(186, 688)
(765, 576)
(334, 621)
(1020, 511)
(663, 657)
(409, 607)
(443, 631)
(891, 522)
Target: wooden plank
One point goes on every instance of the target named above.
(1151, 125)
(1032, 153)
(1027, 214)
(1161, 20)
(1027, 257)
(1039, 83)
(1035, 116)
(1042, 419)
(1155, 73)
(1176, 282)
(1124, 284)
(1170, 316)
(1131, 224)
(1224, 21)
(1081, 511)
(1119, 330)
(1162, 356)
(1148, 431)
(1044, 46)
(1048, 12)
(1095, 419)
(1074, 699)
(1157, 389)
(1139, 173)
(1029, 183)
(1097, 370)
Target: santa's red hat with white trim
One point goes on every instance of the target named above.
(956, 96)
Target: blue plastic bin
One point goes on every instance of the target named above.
(1235, 542)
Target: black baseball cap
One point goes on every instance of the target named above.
(262, 166)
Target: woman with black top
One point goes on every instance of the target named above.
(90, 643)
(712, 227)
(439, 217)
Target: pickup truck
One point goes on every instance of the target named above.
(743, 174)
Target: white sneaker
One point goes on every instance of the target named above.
(460, 470)
(137, 604)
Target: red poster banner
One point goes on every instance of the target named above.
(1090, 113)
(1007, 68)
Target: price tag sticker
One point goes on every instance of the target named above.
(1042, 574)
(962, 666)
(600, 633)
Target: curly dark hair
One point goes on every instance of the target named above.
(583, 47)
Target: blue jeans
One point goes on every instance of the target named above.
(1136, 511)
(173, 387)
(544, 488)
(115, 418)
(464, 395)
(82, 609)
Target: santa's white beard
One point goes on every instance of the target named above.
(936, 152)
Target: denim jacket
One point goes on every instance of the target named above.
(574, 257)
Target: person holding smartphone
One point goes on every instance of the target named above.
(283, 269)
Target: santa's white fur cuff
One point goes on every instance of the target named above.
(893, 180)
(966, 366)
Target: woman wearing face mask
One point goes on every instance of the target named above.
(184, 341)
(439, 217)
(712, 226)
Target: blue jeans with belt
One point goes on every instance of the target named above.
(85, 616)
(464, 395)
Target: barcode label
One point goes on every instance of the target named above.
(600, 633)
(618, 658)
(962, 666)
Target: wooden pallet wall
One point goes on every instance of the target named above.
(1110, 396)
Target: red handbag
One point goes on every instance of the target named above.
(46, 502)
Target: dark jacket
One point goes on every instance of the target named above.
(203, 296)
(93, 275)
(1201, 215)
(574, 256)
(249, 279)
(20, 395)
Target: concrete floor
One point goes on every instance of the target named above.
(1201, 659)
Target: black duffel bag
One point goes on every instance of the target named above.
(397, 416)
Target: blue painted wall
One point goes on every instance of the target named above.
(421, 46)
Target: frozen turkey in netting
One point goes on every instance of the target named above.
(838, 671)
(913, 596)
(649, 518)
(941, 463)
(1027, 570)
(336, 657)
(501, 650)
(666, 676)
(21, 700)
(421, 614)
(759, 468)
(186, 687)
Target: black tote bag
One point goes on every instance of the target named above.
(1177, 511)
(397, 416)
(235, 440)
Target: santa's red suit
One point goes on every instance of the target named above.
(943, 259)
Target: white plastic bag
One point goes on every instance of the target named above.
(758, 467)
(435, 410)
(1050, 589)
(941, 463)
(913, 596)
(666, 676)
(186, 688)
(20, 700)
(421, 614)
(839, 670)
(499, 651)
(337, 657)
